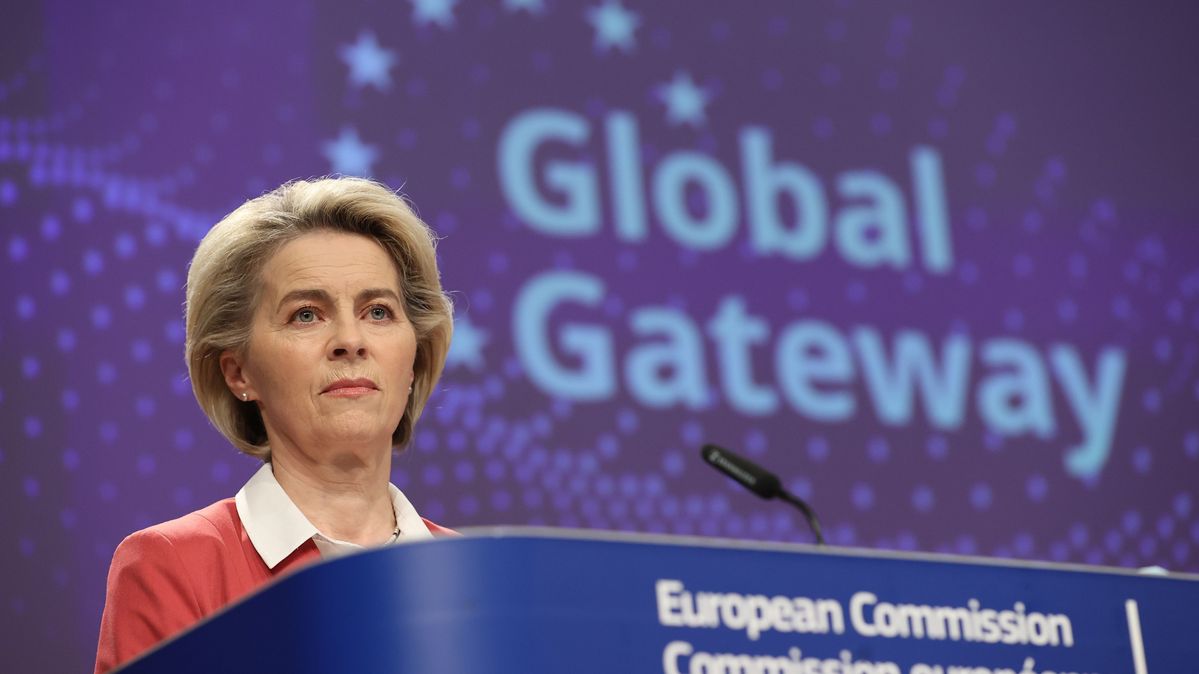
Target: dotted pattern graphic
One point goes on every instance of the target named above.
(116, 156)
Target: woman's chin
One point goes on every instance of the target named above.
(355, 430)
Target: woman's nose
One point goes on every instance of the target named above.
(348, 341)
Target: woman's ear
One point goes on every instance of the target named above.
(236, 377)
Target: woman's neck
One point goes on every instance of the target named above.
(347, 501)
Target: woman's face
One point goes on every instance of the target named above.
(331, 350)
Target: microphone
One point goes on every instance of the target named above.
(752, 476)
(758, 480)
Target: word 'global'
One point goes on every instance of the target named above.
(869, 229)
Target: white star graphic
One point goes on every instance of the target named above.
(530, 6)
(466, 348)
(348, 155)
(684, 100)
(614, 25)
(369, 63)
(440, 12)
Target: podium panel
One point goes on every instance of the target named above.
(537, 600)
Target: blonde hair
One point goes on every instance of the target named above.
(223, 285)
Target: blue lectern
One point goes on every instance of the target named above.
(540, 600)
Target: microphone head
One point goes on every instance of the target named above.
(752, 476)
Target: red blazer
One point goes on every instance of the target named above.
(166, 578)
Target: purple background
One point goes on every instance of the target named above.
(1067, 135)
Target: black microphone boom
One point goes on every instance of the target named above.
(758, 480)
(752, 476)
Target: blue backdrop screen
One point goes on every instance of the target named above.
(935, 266)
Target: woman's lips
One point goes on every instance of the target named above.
(350, 388)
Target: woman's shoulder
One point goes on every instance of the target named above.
(166, 577)
(210, 529)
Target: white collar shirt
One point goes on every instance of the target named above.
(276, 526)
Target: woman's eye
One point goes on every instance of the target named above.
(380, 313)
(305, 316)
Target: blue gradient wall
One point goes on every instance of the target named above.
(935, 265)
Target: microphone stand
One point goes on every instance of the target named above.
(804, 508)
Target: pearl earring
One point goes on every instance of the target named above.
(245, 396)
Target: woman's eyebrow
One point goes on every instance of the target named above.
(321, 296)
(309, 294)
(376, 293)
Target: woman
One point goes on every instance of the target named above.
(316, 330)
